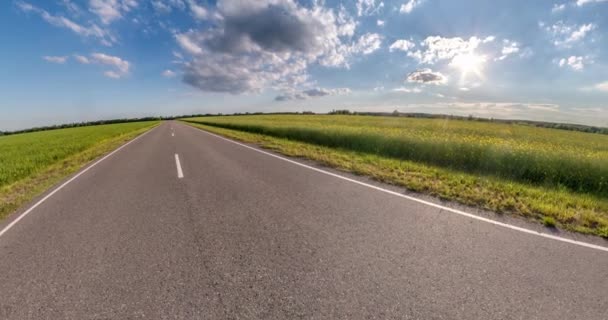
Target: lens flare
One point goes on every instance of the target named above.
(469, 63)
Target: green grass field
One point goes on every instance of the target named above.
(32, 162)
(533, 172)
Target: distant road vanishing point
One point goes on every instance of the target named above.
(183, 224)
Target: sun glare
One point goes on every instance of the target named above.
(469, 63)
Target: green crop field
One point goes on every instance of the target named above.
(534, 172)
(31, 162)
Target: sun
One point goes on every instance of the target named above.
(469, 63)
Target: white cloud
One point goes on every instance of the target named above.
(439, 48)
(488, 39)
(503, 109)
(346, 24)
(73, 8)
(590, 110)
(584, 2)
(56, 59)
(565, 35)
(110, 10)
(199, 12)
(410, 5)
(575, 62)
(581, 32)
(82, 59)
(558, 7)
(407, 90)
(311, 93)
(543, 107)
(403, 45)
(178, 55)
(526, 53)
(161, 7)
(178, 4)
(320, 92)
(26, 7)
(112, 74)
(94, 31)
(166, 6)
(367, 43)
(120, 66)
(603, 86)
(509, 47)
(246, 52)
(188, 45)
(380, 23)
(427, 76)
(168, 73)
(368, 7)
(106, 10)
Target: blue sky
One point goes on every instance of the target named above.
(67, 60)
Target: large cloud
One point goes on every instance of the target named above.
(270, 43)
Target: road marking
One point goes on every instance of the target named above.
(180, 173)
(452, 210)
(26, 212)
(172, 134)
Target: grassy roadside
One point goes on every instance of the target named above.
(18, 193)
(561, 208)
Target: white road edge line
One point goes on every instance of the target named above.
(180, 173)
(26, 212)
(456, 211)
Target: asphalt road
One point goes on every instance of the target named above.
(247, 236)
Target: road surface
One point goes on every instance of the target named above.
(232, 233)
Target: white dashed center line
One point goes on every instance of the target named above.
(180, 173)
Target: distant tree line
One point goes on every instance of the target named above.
(236, 114)
(79, 124)
(541, 124)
